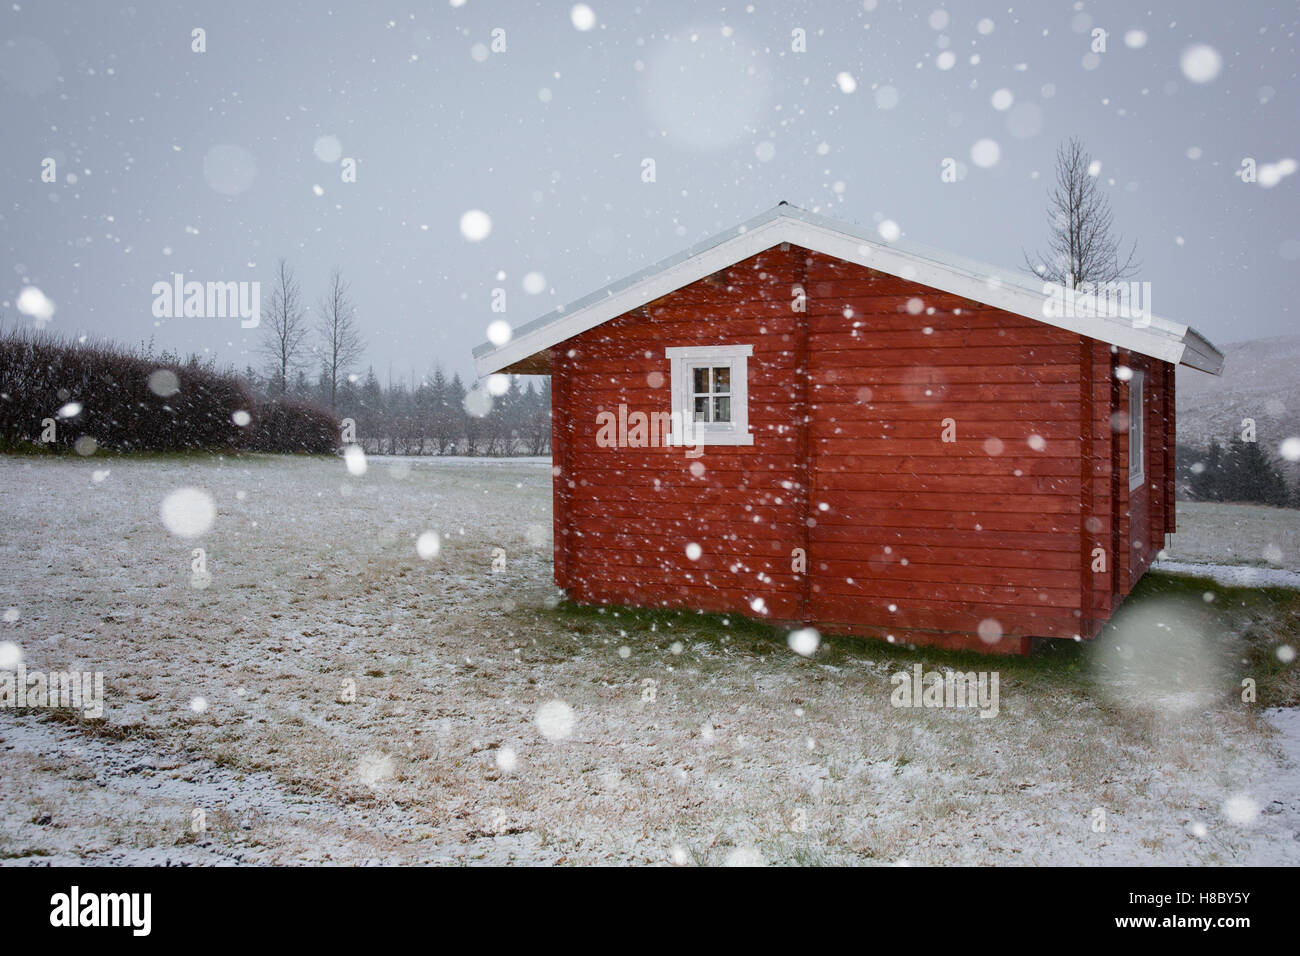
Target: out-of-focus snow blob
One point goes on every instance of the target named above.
(758, 606)
(164, 383)
(33, 302)
(993, 446)
(765, 151)
(743, 856)
(1135, 39)
(534, 283)
(11, 655)
(477, 402)
(11, 615)
(889, 230)
(985, 26)
(1025, 120)
(1163, 655)
(804, 641)
(1290, 448)
(1036, 442)
(499, 332)
(506, 760)
(693, 551)
(990, 630)
(986, 153)
(188, 512)
(228, 169)
(938, 19)
(555, 720)
(328, 149)
(1002, 99)
(1286, 653)
(704, 88)
(427, 545)
(1241, 810)
(886, 98)
(85, 446)
(355, 460)
(1270, 174)
(241, 418)
(475, 225)
(498, 384)
(375, 769)
(846, 82)
(70, 410)
(582, 17)
(946, 60)
(1201, 63)
(198, 704)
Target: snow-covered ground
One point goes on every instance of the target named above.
(686, 743)
(1236, 534)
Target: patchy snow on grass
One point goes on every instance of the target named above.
(372, 702)
(1233, 576)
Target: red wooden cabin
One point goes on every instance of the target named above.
(800, 422)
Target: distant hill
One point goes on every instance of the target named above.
(1260, 380)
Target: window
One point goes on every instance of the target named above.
(710, 394)
(1137, 458)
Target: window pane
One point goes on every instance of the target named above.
(701, 379)
(702, 409)
(722, 408)
(722, 379)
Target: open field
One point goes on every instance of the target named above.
(1225, 533)
(693, 739)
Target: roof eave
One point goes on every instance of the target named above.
(1159, 338)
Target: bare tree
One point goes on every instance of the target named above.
(286, 327)
(341, 345)
(1082, 248)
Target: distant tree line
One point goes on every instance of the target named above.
(1239, 471)
(317, 361)
(431, 415)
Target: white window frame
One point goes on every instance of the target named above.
(1137, 433)
(686, 431)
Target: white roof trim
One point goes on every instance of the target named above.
(1160, 338)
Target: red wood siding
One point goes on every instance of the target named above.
(631, 512)
(907, 536)
(1148, 508)
(914, 534)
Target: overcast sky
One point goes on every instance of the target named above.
(210, 164)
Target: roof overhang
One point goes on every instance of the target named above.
(527, 350)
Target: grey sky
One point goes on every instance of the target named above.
(548, 138)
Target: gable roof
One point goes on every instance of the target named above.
(1012, 292)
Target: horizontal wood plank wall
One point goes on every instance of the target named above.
(635, 510)
(914, 534)
(1170, 433)
(1135, 528)
(906, 534)
(562, 485)
(1099, 523)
